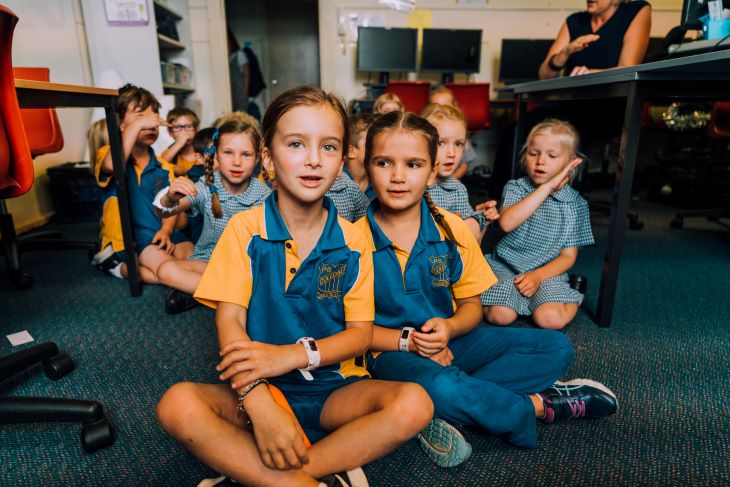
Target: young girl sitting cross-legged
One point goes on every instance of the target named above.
(292, 284)
(218, 196)
(429, 273)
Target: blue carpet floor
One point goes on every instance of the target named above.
(667, 356)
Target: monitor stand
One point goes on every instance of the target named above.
(384, 78)
(447, 78)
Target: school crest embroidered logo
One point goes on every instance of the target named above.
(330, 280)
(440, 270)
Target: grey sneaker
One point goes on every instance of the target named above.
(444, 444)
(352, 478)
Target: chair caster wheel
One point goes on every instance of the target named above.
(20, 279)
(635, 223)
(578, 282)
(677, 223)
(98, 434)
(58, 366)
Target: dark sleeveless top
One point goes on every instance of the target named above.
(603, 53)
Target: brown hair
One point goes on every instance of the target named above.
(434, 112)
(230, 127)
(178, 112)
(387, 98)
(133, 98)
(359, 124)
(410, 122)
(306, 95)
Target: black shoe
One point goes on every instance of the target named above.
(578, 282)
(178, 301)
(578, 398)
(105, 260)
(351, 478)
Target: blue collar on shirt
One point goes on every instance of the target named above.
(332, 236)
(566, 195)
(428, 230)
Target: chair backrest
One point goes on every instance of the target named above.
(42, 127)
(413, 94)
(473, 100)
(719, 126)
(16, 163)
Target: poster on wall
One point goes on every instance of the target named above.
(127, 12)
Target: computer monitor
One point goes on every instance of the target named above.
(385, 50)
(520, 59)
(451, 51)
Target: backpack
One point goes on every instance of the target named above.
(256, 82)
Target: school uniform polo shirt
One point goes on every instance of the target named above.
(142, 186)
(256, 265)
(414, 287)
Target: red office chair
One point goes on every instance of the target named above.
(413, 94)
(40, 130)
(16, 178)
(717, 128)
(473, 100)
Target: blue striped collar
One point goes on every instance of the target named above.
(332, 236)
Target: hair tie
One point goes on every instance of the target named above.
(210, 150)
(213, 189)
(215, 135)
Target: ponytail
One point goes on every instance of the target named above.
(440, 220)
(215, 201)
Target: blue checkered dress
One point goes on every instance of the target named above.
(451, 195)
(350, 202)
(213, 227)
(562, 221)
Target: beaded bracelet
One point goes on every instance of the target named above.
(241, 410)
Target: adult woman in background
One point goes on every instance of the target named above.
(608, 34)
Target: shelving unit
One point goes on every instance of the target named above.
(171, 41)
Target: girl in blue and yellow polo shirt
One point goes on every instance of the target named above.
(429, 275)
(292, 284)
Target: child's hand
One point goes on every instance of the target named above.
(180, 188)
(279, 439)
(162, 239)
(182, 137)
(433, 337)
(563, 177)
(444, 357)
(149, 121)
(256, 359)
(527, 284)
(489, 210)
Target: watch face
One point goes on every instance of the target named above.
(313, 345)
(404, 334)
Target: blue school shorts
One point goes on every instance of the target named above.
(308, 405)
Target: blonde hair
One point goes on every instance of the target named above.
(442, 90)
(96, 137)
(242, 117)
(386, 98)
(435, 112)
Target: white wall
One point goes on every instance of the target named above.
(51, 33)
(498, 19)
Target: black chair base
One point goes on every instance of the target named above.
(605, 209)
(96, 431)
(12, 245)
(713, 215)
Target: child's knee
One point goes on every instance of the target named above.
(166, 272)
(499, 315)
(413, 408)
(176, 407)
(553, 316)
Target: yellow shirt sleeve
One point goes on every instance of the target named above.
(228, 278)
(101, 179)
(476, 276)
(167, 167)
(360, 301)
